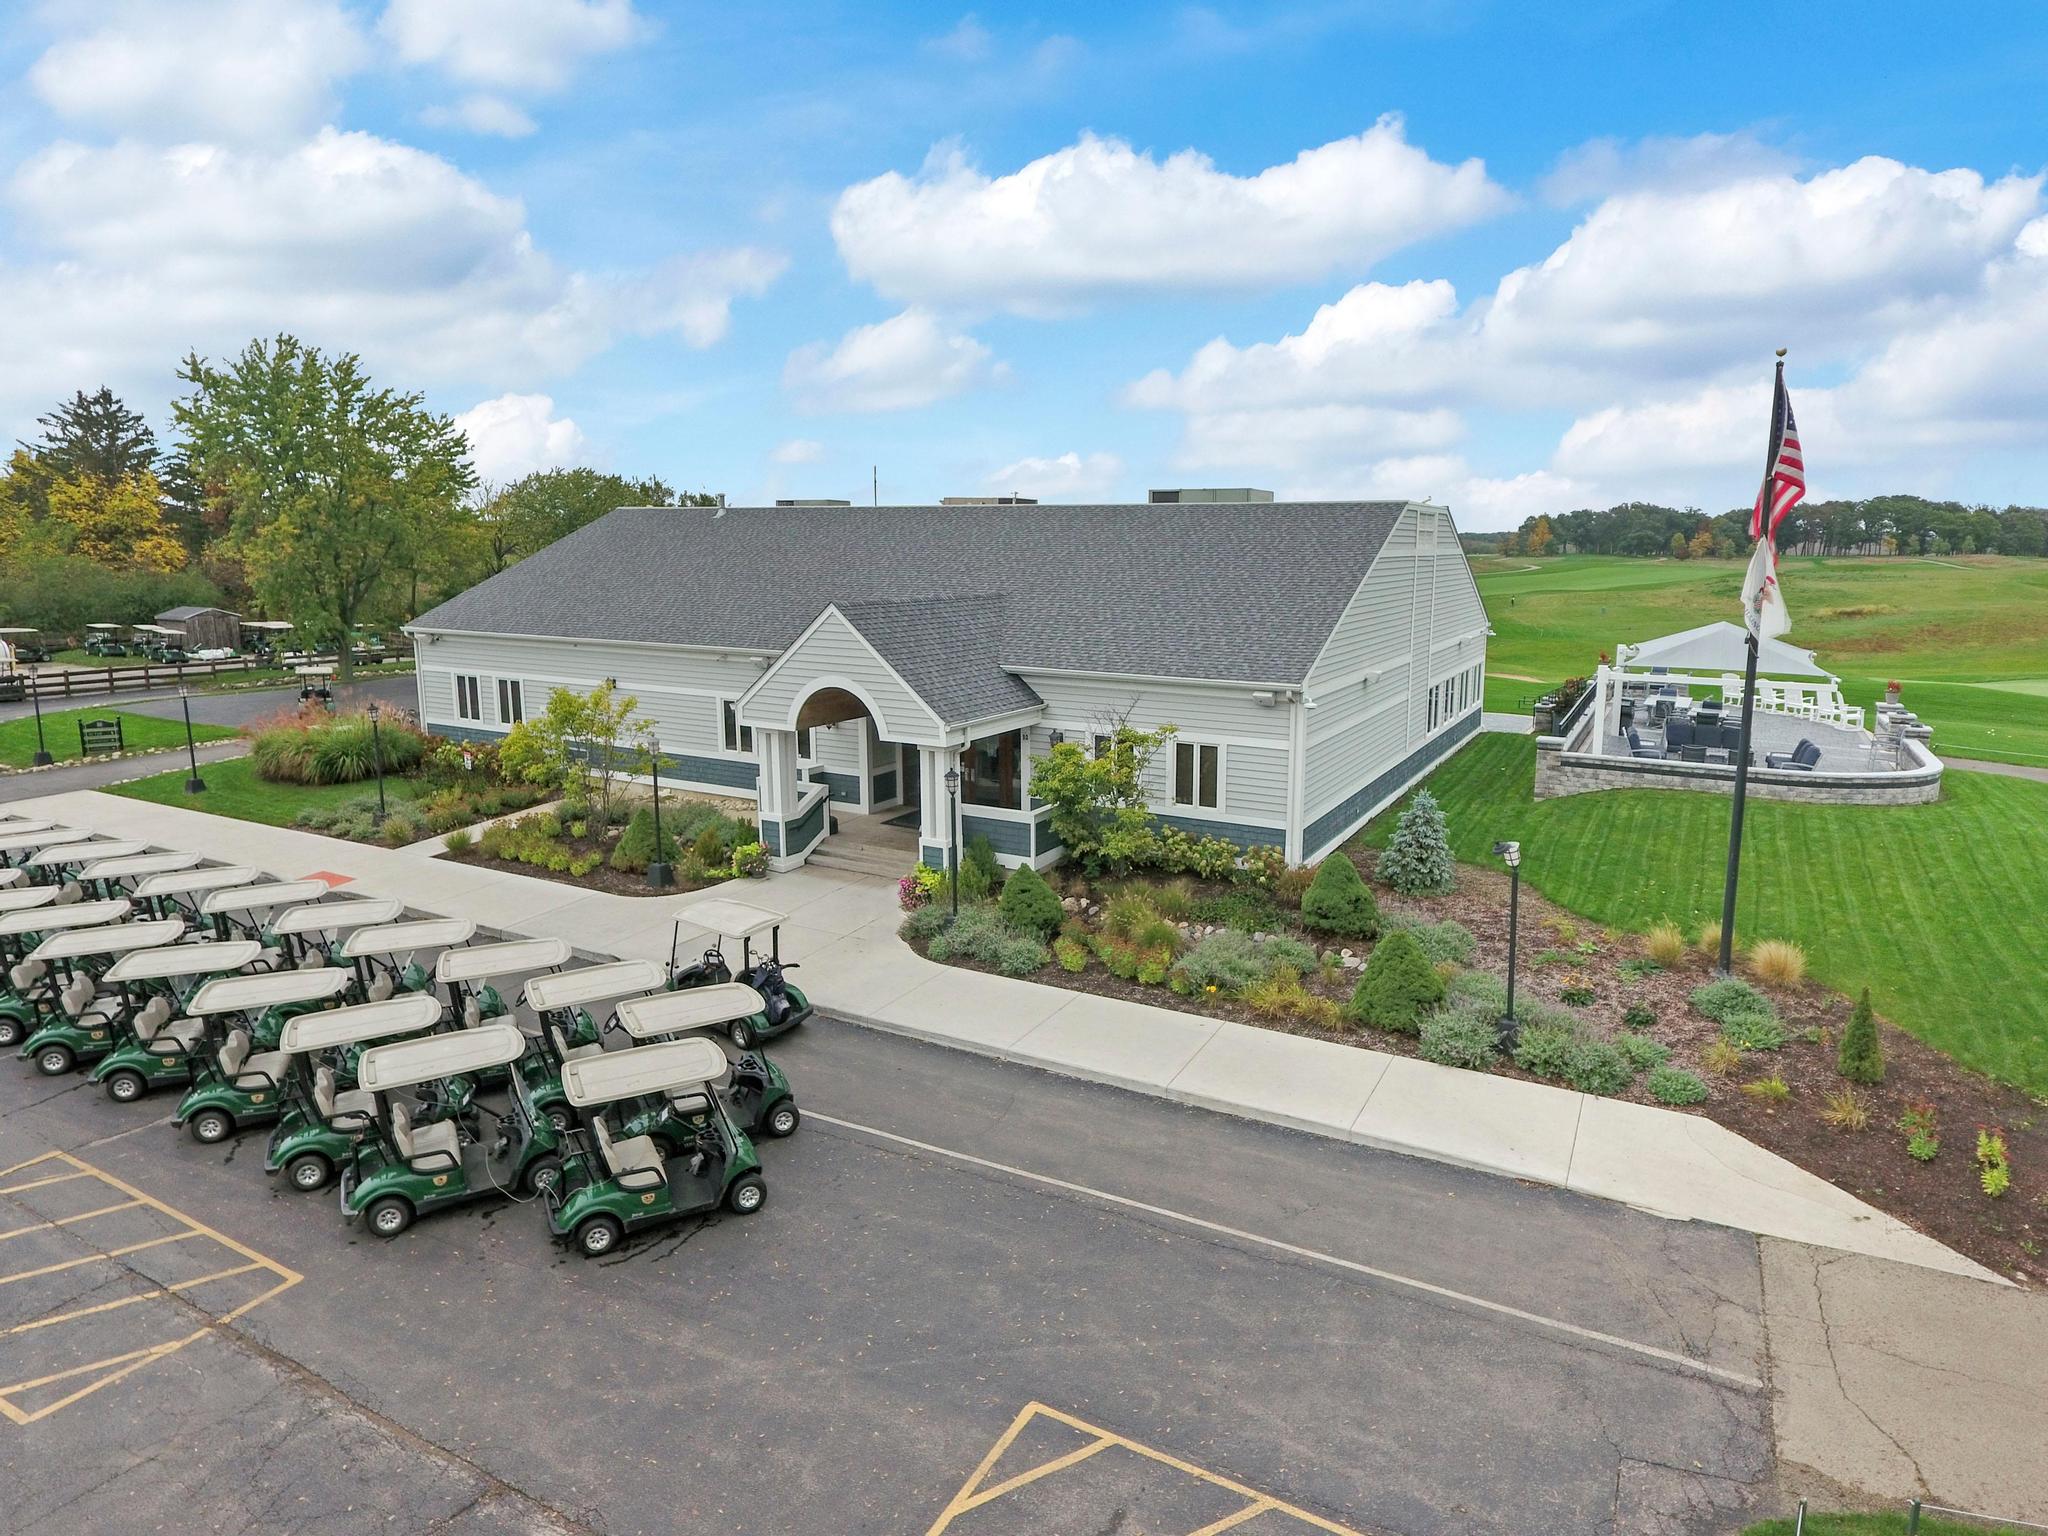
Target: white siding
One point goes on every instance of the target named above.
(833, 649)
(837, 747)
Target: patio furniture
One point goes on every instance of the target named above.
(1677, 734)
(1803, 757)
(1719, 755)
(1693, 754)
(1637, 749)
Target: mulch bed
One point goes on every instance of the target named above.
(1941, 1198)
(613, 882)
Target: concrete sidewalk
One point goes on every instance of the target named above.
(841, 929)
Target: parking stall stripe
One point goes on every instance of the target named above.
(59, 1178)
(1232, 1522)
(94, 1258)
(65, 1221)
(137, 1363)
(1669, 1357)
(129, 1301)
(1058, 1463)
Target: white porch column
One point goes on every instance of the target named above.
(934, 826)
(776, 753)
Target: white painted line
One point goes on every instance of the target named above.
(1668, 1357)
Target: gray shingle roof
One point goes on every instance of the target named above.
(949, 651)
(1239, 592)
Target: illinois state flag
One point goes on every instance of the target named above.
(1763, 600)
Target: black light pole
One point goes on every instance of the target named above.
(195, 784)
(42, 757)
(1511, 855)
(659, 875)
(953, 833)
(377, 756)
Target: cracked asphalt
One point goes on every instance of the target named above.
(842, 1361)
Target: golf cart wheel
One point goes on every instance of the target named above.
(126, 1087)
(543, 1173)
(10, 1031)
(309, 1171)
(390, 1216)
(741, 1033)
(747, 1196)
(599, 1236)
(210, 1126)
(783, 1119)
(54, 1060)
(558, 1117)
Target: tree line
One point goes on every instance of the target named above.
(294, 488)
(1877, 525)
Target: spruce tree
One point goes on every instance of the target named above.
(1338, 901)
(1861, 1058)
(1418, 860)
(1399, 986)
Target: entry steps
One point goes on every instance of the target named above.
(863, 859)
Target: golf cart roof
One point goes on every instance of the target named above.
(275, 893)
(12, 877)
(22, 898)
(336, 1027)
(514, 957)
(11, 630)
(83, 853)
(314, 671)
(154, 629)
(732, 919)
(80, 914)
(106, 626)
(337, 916)
(645, 1069)
(668, 1013)
(399, 938)
(173, 960)
(267, 989)
(25, 824)
(592, 984)
(274, 626)
(138, 864)
(108, 939)
(195, 882)
(43, 836)
(384, 1067)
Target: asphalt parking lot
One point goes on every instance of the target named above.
(980, 1300)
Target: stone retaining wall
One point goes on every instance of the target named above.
(1563, 771)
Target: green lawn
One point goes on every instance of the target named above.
(1874, 1525)
(232, 789)
(1968, 638)
(60, 730)
(1942, 910)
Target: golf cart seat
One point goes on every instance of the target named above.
(472, 1013)
(69, 892)
(632, 1160)
(568, 1052)
(152, 1017)
(186, 1032)
(689, 1101)
(236, 1061)
(425, 1141)
(382, 988)
(77, 993)
(312, 960)
(355, 1101)
(27, 973)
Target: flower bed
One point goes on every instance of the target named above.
(701, 839)
(445, 785)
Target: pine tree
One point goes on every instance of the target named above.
(1399, 986)
(1027, 903)
(96, 435)
(1337, 901)
(1861, 1058)
(1418, 858)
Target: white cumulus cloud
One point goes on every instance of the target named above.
(515, 435)
(798, 450)
(492, 115)
(1101, 219)
(1069, 477)
(908, 360)
(529, 45)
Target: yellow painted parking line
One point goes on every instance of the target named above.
(65, 1221)
(94, 1258)
(129, 1301)
(16, 1189)
(136, 1362)
(972, 1495)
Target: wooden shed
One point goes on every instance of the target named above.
(204, 628)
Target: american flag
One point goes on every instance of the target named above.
(1784, 484)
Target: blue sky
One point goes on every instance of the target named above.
(1517, 257)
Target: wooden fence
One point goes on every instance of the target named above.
(104, 682)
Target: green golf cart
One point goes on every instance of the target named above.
(104, 640)
(64, 865)
(238, 1068)
(383, 956)
(323, 1115)
(142, 1000)
(611, 1185)
(81, 1013)
(570, 1007)
(247, 912)
(179, 892)
(783, 1006)
(104, 879)
(312, 934)
(757, 1095)
(30, 983)
(467, 974)
(20, 839)
(401, 1169)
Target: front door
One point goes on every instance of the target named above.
(908, 776)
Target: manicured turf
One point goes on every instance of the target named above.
(1965, 636)
(60, 730)
(1942, 910)
(232, 789)
(1874, 1525)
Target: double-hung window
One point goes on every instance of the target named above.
(511, 701)
(468, 699)
(1198, 774)
(738, 738)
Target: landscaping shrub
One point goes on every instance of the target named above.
(1595, 1066)
(1861, 1058)
(1459, 1037)
(1276, 995)
(1338, 901)
(1753, 1031)
(1577, 993)
(1248, 910)
(402, 826)
(1545, 1050)
(923, 923)
(1643, 1053)
(1721, 1057)
(1417, 860)
(1028, 903)
(1227, 962)
(1665, 943)
(708, 849)
(1292, 884)
(1637, 967)
(980, 874)
(1772, 1090)
(1072, 955)
(1721, 1000)
(1640, 1016)
(1445, 941)
(1173, 899)
(1157, 933)
(1845, 1110)
(1482, 990)
(1281, 951)
(750, 861)
(981, 934)
(1154, 966)
(1779, 962)
(459, 840)
(1671, 1085)
(1125, 912)
(1262, 865)
(1994, 1162)
(1710, 940)
(1398, 988)
(338, 750)
(635, 850)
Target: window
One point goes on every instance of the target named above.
(803, 741)
(988, 771)
(511, 701)
(468, 704)
(738, 738)
(1197, 774)
(1101, 747)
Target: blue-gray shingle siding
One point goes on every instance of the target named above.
(1012, 837)
(1353, 806)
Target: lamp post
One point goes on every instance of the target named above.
(659, 875)
(42, 757)
(1510, 854)
(377, 757)
(953, 833)
(194, 785)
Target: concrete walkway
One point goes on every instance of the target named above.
(2003, 770)
(97, 773)
(842, 930)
